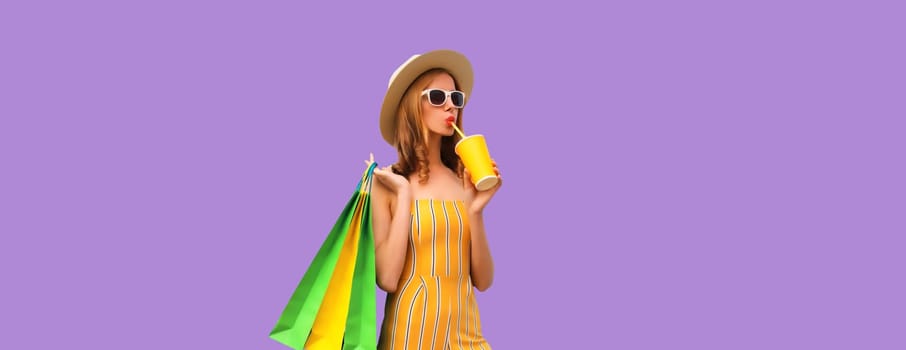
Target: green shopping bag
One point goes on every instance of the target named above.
(306, 319)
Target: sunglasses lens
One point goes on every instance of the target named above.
(458, 99)
(436, 97)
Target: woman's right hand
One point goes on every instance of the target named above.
(395, 182)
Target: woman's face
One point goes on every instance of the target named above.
(435, 117)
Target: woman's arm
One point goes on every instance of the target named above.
(390, 222)
(482, 266)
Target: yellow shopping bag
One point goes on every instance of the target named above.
(330, 324)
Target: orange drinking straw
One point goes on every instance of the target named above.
(457, 129)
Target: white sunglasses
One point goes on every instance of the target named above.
(438, 97)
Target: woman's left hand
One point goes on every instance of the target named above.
(477, 200)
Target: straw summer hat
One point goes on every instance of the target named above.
(453, 62)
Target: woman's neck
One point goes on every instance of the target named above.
(434, 161)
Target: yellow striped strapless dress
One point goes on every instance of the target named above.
(434, 305)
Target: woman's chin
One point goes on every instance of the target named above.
(446, 131)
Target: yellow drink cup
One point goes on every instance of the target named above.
(473, 151)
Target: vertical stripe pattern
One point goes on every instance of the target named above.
(434, 307)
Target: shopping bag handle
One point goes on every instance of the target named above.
(364, 185)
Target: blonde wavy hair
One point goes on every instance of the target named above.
(412, 134)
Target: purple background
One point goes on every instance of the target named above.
(678, 176)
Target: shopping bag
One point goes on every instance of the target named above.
(361, 326)
(330, 323)
(333, 306)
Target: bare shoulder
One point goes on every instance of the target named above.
(380, 194)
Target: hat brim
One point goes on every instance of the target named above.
(453, 62)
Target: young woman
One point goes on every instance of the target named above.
(431, 250)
